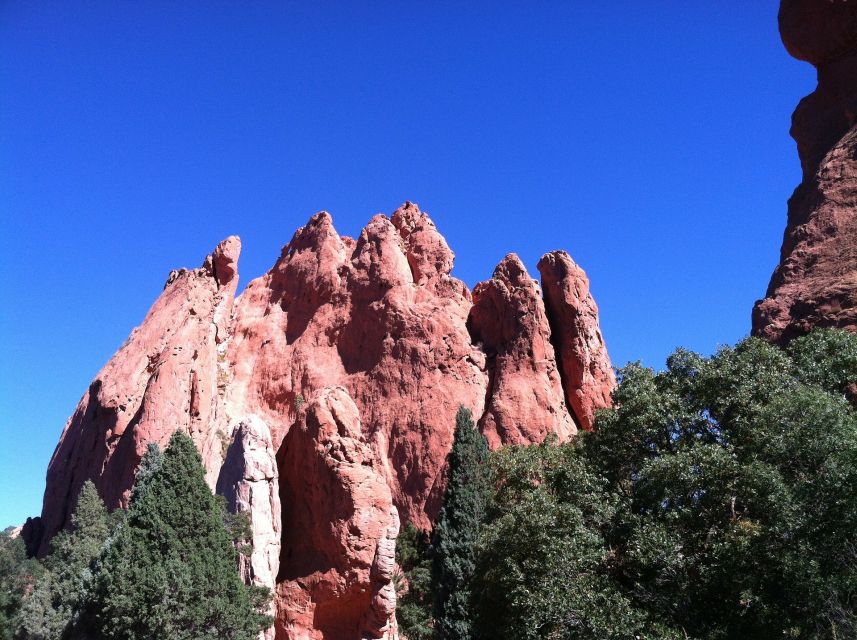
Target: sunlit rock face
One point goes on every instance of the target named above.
(323, 400)
(815, 284)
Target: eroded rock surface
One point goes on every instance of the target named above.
(354, 355)
(815, 284)
(165, 377)
(339, 530)
(585, 365)
(526, 401)
(249, 481)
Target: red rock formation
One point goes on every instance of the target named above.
(165, 377)
(338, 513)
(362, 347)
(588, 375)
(815, 283)
(525, 397)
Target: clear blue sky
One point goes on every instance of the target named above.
(649, 139)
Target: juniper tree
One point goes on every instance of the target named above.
(52, 608)
(171, 571)
(457, 530)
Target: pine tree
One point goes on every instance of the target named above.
(170, 571)
(50, 611)
(457, 530)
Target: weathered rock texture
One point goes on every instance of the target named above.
(525, 400)
(339, 513)
(589, 377)
(353, 357)
(249, 481)
(815, 284)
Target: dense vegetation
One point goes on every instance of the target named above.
(457, 530)
(165, 569)
(717, 500)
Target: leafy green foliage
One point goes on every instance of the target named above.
(17, 576)
(737, 477)
(457, 529)
(414, 587)
(170, 570)
(716, 500)
(827, 358)
(543, 566)
(50, 611)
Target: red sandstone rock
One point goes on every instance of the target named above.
(815, 284)
(369, 336)
(588, 376)
(165, 377)
(525, 400)
(338, 551)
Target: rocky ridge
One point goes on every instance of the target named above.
(323, 400)
(815, 284)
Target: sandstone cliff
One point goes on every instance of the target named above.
(815, 283)
(323, 399)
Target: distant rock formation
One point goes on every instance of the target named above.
(815, 284)
(336, 378)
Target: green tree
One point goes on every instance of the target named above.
(149, 465)
(415, 590)
(543, 564)
(827, 358)
(17, 576)
(737, 484)
(457, 529)
(170, 571)
(51, 609)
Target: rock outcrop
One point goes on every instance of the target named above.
(584, 363)
(815, 284)
(525, 399)
(337, 512)
(249, 481)
(349, 360)
(165, 377)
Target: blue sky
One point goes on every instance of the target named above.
(650, 140)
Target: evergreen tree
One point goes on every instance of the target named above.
(170, 571)
(17, 576)
(457, 530)
(414, 589)
(51, 609)
(151, 462)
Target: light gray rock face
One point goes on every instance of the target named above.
(249, 482)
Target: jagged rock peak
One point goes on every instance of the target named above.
(815, 283)
(347, 362)
(526, 400)
(588, 376)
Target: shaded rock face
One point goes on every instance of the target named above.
(815, 284)
(347, 361)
